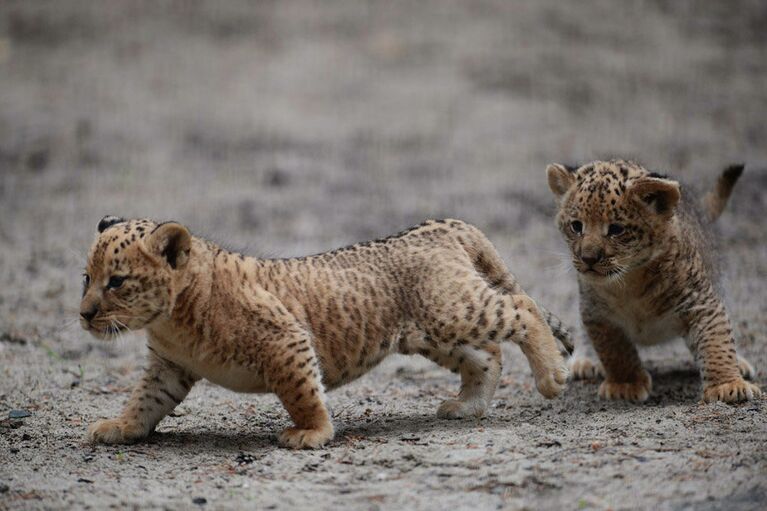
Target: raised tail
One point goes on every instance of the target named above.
(716, 199)
(559, 330)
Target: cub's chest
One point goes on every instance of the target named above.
(640, 319)
(205, 364)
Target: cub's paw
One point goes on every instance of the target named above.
(583, 368)
(552, 383)
(115, 431)
(732, 392)
(746, 370)
(455, 409)
(296, 438)
(632, 391)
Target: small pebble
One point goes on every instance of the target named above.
(200, 501)
(244, 459)
(18, 414)
(11, 423)
(277, 178)
(4, 488)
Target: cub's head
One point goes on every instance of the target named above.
(129, 279)
(615, 215)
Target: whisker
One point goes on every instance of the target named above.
(78, 256)
(69, 325)
(563, 266)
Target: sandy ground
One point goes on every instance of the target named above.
(287, 128)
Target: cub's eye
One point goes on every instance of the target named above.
(576, 226)
(115, 282)
(86, 283)
(615, 230)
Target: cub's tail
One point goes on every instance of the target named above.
(559, 330)
(716, 199)
(490, 265)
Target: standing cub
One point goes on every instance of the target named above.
(299, 326)
(646, 275)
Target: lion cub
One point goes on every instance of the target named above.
(297, 327)
(646, 275)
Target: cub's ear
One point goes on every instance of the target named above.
(561, 178)
(660, 195)
(172, 242)
(109, 221)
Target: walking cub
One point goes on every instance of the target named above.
(297, 327)
(646, 275)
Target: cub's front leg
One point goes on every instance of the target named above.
(163, 386)
(711, 343)
(625, 378)
(291, 369)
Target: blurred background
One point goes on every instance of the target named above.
(291, 127)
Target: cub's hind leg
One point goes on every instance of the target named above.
(467, 321)
(526, 326)
(489, 264)
(480, 369)
(498, 316)
(479, 365)
(163, 386)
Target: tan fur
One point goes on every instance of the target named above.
(716, 200)
(646, 275)
(297, 327)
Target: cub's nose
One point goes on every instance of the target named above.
(592, 258)
(89, 314)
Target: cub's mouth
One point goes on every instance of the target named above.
(107, 332)
(107, 329)
(600, 274)
(596, 273)
(592, 271)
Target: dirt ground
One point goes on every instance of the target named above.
(287, 128)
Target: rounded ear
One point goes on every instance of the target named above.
(659, 195)
(560, 178)
(109, 221)
(172, 242)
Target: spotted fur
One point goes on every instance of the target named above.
(297, 327)
(646, 275)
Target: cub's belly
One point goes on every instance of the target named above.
(647, 331)
(228, 375)
(234, 378)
